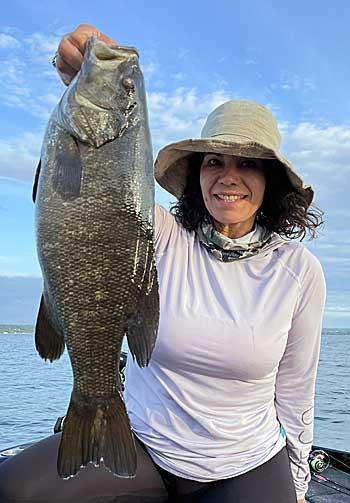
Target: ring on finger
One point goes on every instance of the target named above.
(53, 61)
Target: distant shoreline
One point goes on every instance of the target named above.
(17, 333)
(13, 329)
(7, 329)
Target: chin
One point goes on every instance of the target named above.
(227, 219)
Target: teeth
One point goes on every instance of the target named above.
(229, 198)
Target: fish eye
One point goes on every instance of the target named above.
(128, 84)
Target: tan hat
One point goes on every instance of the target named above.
(242, 128)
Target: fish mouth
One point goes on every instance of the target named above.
(105, 52)
(100, 105)
(127, 50)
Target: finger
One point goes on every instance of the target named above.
(69, 56)
(64, 69)
(87, 30)
(71, 50)
(80, 36)
(106, 39)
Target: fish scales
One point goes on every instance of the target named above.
(94, 223)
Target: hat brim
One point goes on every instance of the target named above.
(171, 165)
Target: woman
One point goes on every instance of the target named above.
(224, 411)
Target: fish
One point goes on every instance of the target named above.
(94, 210)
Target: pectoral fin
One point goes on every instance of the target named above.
(66, 180)
(48, 342)
(142, 325)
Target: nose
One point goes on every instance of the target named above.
(231, 174)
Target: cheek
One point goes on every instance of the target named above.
(259, 184)
(204, 184)
(262, 190)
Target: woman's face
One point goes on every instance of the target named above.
(233, 191)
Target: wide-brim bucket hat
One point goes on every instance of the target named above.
(237, 127)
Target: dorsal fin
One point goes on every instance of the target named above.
(36, 181)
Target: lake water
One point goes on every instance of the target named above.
(33, 393)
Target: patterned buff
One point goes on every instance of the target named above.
(228, 250)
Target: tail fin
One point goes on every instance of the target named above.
(97, 433)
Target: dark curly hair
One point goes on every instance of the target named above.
(284, 210)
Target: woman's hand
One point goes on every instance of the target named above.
(71, 49)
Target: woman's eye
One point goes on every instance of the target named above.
(212, 162)
(248, 163)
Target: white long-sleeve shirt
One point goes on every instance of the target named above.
(236, 357)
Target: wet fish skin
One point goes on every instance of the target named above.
(94, 224)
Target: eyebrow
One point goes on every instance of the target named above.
(239, 156)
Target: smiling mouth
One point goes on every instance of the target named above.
(230, 198)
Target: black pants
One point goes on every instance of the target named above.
(269, 483)
(31, 477)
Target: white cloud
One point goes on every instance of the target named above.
(42, 46)
(44, 106)
(12, 75)
(26, 80)
(293, 83)
(8, 42)
(178, 76)
(149, 69)
(39, 106)
(182, 52)
(321, 154)
(181, 113)
(173, 116)
(19, 156)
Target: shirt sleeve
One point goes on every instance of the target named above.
(164, 227)
(296, 376)
(159, 221)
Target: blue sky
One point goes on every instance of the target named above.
(291, 57)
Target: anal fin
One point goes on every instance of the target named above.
(48, 342)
